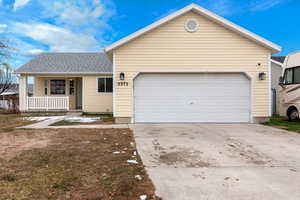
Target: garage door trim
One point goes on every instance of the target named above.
(193, 72)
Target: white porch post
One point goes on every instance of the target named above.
(23, 93)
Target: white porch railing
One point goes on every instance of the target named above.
(48, 103)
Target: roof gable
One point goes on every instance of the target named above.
(203, 12)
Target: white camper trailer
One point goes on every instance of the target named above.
(290, 87)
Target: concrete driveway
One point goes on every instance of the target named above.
(216, 162)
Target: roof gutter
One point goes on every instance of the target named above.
(276, 62)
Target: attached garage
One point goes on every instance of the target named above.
(190, 97)
(192, 66)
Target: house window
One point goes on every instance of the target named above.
(105, 85)
(58, 87)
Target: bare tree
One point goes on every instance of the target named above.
(6, 72)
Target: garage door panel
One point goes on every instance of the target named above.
(192, 98)
(192, 91)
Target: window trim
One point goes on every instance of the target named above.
(97, 85)
(293, 75)
(65, 93)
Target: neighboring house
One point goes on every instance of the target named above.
(9, 100)
(276, 72)
(191, 66)
(14, 90)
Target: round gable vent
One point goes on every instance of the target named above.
(191, 25)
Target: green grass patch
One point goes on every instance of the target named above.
(102, 115)
(64, 123)
(283, 123)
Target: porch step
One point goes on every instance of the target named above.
(74, 113)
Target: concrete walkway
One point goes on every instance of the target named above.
(220, 162)
(47, 123)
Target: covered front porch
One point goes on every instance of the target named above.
(51, 93)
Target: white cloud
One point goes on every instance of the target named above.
(69, 13)
(57, 38)
(259, 5)
(78, 12)
(35, 51)
(20, 3)
(89, 17)
(221, 7)
(3, 27)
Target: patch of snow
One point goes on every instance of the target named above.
(132, 161)
(116, 152)
(143, 197)
(83, 119)
(138, 177)
(134, 153)
(43, 118)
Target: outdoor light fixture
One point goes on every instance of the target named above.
(262, 76)
(122, 76)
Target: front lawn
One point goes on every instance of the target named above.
(283, 123)
(8, 122)
(76, 164)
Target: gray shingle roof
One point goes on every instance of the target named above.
(278, 58)
(88, 63)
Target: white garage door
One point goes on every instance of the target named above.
(192, 98)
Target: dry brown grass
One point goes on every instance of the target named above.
(8, 122)
(76, 164)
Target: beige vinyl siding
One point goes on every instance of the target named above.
(171, 48)
(94, 101)
(39, 88)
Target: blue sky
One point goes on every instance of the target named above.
(35, 26)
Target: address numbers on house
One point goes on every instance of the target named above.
(123, 83)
